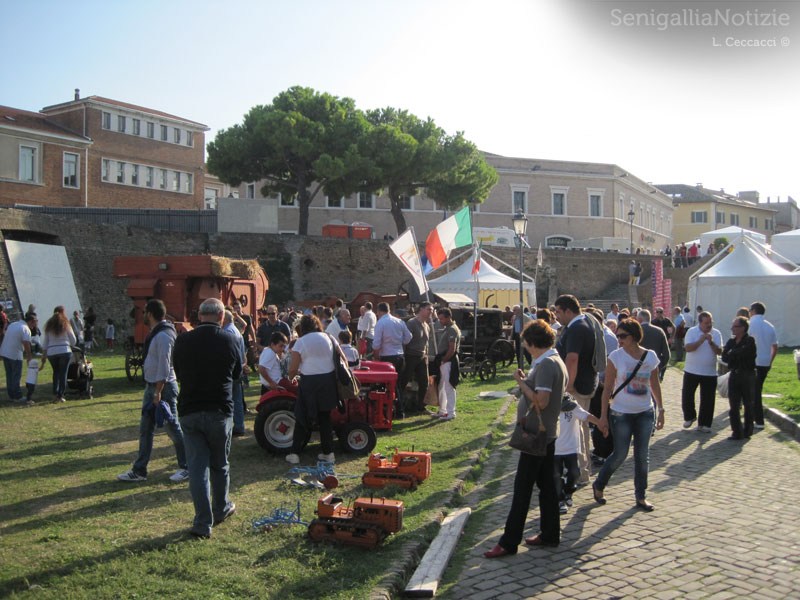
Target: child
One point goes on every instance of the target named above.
(350, 353)
(30, 380)
(269, 365)
(110, 336)
(568, 444)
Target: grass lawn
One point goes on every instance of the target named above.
(70, 530)
(782, 379)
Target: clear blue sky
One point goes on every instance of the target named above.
(560, 79)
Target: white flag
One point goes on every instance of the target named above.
(539, 256)
(405, 247)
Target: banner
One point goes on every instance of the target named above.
(405, 248)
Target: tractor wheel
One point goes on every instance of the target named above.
(357, 437)
(487, 370)
(133, 361)
(274, 426)
(502, 352)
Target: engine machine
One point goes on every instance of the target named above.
(405, 469)
(366, 523)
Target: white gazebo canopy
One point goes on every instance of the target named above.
(733, 235)
(494, 286)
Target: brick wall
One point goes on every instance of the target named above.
(51, 191)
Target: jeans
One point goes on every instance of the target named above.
(60, 364)
(758, 407)
(625, 426)
(13, 377)
(530, 470)
(238, 407)
(416, 370)
(147, 426)
(570, 463)
(208, 442)
(741, 387)
(708, 392)
(399, 362)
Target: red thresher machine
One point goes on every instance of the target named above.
(182, 283)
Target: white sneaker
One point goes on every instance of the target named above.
(292, 459)
(703, 429)
(179, 475)
(687, 424)
(131, 476)
(757, 426)
(447, 417)
(326, 457)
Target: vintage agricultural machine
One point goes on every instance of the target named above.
(405, 469)
(371, 411)
(367, 523)
(183, 282)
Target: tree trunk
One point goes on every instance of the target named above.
(303, 202)
(397, 212)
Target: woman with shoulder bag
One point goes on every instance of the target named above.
(632, 375)
(542, 389)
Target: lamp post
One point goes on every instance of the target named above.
(520, 227)
(631, 216)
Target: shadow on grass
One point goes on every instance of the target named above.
(21, 583)
(72, 443)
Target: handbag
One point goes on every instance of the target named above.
(527, 437)
(432, 393)
(346, 382)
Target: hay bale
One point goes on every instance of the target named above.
(220, 266)
(244, 269)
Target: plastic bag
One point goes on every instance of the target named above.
(722, 385)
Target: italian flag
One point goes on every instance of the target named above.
(449, 234)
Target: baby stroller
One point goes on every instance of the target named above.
(80, 374)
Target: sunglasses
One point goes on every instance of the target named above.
(272, 313)
(622, 336)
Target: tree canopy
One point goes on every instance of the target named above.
(307, 141)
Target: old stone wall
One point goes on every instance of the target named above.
(299, 268)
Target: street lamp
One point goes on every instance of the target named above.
(631, 216)
(520, 227)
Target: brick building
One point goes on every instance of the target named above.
(136, 157)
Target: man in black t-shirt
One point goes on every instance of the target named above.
(270, 326)
(576, 348)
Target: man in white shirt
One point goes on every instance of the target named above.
(391, 334)
(16, 346)
(766, 348)
(340, 323)
(614, 314)
(703, 344)
(366, 326)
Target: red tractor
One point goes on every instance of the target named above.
(355, 427)
(405, 469)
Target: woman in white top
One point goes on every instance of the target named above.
(631, 411)
(57, 346)
(312, 357)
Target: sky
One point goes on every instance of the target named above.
(671, 91)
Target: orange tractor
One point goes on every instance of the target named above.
(406, 469)
(365, 524)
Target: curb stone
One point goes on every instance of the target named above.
(393, 581)
(783, 422)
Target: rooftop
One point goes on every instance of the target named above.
(126, 105)
(24, 119)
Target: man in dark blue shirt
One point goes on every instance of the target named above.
(270, 326)
(207, 362)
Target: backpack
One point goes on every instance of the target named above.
(599, 356)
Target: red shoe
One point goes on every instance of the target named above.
(538, 541)
(496, 552)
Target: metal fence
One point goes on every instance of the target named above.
(185, 221)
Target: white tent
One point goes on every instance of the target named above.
(745, 276)
(733, 235)
(495, 287)
(787, 244)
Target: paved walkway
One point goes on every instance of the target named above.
(726, 524)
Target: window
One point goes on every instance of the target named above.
(176, 181)
(148, 176)
(120, 172)
(189, 138)
(559, 207)
(189, 185)
(70, 171)
(699, 216)
(720, 218)
(621, 214)
(27, 163)
(250, 190)
(163, 183)
(366, 200)
(106, 120)
(137, 127)
(151, 130)
(210, 198)
(134, 174)
(734, 219)
(285, 200)
(120, 123)
(557, 241)
(595, 205)
(768, 224)
(177, 136)
(519, 205)
(106, 167)
(754, 222)
(405, 202)
(334, 202)
(164, 133)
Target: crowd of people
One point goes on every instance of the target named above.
(586, 368)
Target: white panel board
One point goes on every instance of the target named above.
(43, 277)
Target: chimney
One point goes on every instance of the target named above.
(77, 94)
